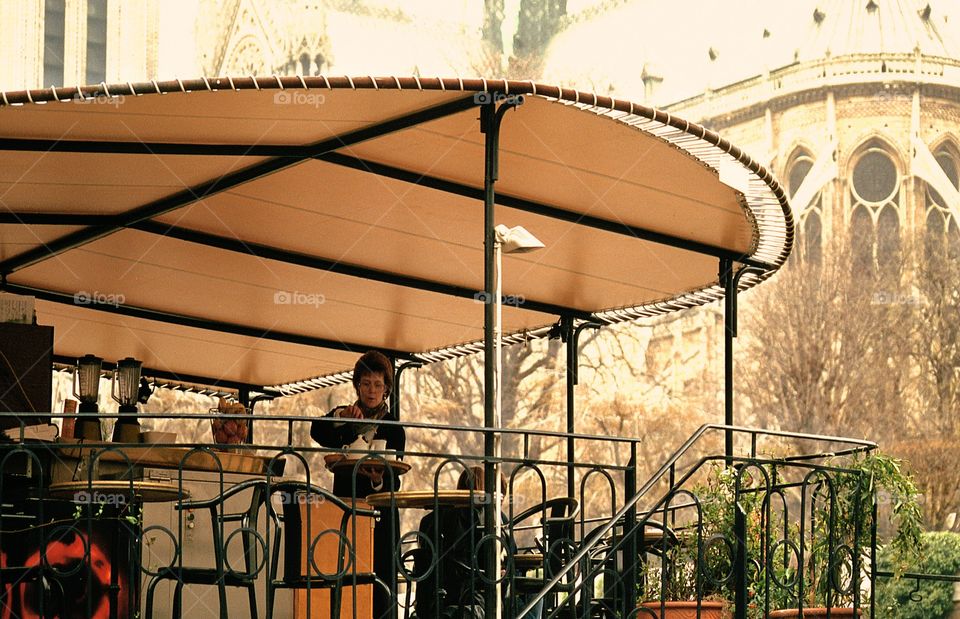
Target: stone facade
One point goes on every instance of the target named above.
(132, 42)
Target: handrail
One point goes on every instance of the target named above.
(630, 504)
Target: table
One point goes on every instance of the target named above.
(145, 491)
(340, 462)
(171, 458)
(426, 499)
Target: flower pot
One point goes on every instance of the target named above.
(683, 610)
(813, 613)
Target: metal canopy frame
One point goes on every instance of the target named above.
(280, 156)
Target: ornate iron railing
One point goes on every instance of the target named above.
(767, 528)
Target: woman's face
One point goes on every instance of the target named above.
(372, 389)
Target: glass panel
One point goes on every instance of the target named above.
(811, 237)
(96, 41)
(53, 26)
(933, 241)
(875, 177)
(949, 166)
(861, 239)
(799, 172)
(888, 241)
(953, 240)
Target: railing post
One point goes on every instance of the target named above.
(740, 562)
(631, 549)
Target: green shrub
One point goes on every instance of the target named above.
(941, 556)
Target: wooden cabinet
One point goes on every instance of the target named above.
(26, 372)
(325, 516)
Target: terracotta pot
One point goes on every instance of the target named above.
(684, 610)
(812, 613)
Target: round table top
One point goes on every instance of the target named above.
(426, 499)
(102, 490)
(528, 560)
(338, 462)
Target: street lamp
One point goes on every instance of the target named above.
(516, 240)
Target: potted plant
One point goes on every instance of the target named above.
(837, 537)
(673, 591)
(691, 571)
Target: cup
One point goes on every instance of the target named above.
(378, 445)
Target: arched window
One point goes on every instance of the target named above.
(875, 215)
(942, 238)
(810, 218)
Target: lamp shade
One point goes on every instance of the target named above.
(126, 381)
(86, 379)
(516, 240)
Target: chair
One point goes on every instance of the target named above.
(552, 546)
(221, 574)
(289, 532)
(444, 564)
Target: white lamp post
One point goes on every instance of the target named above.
(516, 240)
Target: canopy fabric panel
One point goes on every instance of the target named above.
(262, 231)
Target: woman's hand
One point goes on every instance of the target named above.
(374, 472)
(353, 411)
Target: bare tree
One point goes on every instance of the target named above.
(820, 357)
(935, 355)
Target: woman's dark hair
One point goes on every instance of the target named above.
(373, 362)
(472, 479)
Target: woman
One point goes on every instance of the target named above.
(373, 382)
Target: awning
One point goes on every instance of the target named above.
(261, 231)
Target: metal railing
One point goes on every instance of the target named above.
(747, 530)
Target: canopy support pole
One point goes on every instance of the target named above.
(729, 332)
(570, 334)
(493, 107)
(395, 396)
(730, 280)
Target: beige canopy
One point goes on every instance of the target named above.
(260, 232)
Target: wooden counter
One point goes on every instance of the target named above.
(326, 516)
(152, 456)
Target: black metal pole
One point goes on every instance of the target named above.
(729, 332)
(566, 323)
(632, 549)
(571, 335)
(395, 396)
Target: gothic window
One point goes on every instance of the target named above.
(942, 234)
(875, 215)
(54, 22)
(96, 41)
(810, 224)
(247, 59)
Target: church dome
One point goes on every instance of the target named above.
(848, 27)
